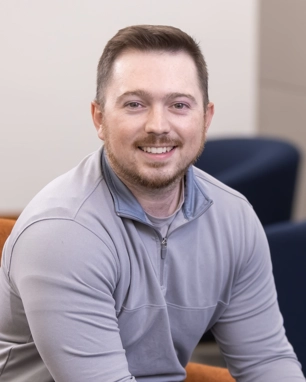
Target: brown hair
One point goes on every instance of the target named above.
(148, 38)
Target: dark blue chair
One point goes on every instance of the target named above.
(287, 243)
(264, 170)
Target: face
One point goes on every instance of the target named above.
(153, 123)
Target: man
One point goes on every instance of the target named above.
(116, 269)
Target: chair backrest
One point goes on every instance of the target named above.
(264, 170)
(6, 226)
(287, 243)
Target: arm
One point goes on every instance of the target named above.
(250, 332)
(66, 276)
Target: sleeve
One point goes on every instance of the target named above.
(250, 332)
(66, 277)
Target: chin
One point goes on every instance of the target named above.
(159, 182)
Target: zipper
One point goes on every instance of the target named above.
(164, 248)
(163, 255)
(164, 240)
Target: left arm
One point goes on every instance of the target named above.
(250, 332)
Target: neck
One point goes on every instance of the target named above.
(159, 203)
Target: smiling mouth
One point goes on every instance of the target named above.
(157, 150)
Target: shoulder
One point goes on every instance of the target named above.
(232, 223)
(65, 196)
(79, 196)
(231, 219)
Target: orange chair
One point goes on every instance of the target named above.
(6, 226)
(195, 372)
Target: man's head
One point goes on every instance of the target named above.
(145, 38)
(153, 117)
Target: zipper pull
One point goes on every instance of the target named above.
(164, 248)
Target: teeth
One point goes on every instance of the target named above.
(157, 150)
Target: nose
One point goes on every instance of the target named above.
(157, 122)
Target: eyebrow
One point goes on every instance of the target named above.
(146, 95)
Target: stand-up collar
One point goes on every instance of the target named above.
(126, 205)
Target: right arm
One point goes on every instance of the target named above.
(66, 276)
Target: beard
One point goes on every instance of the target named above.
(129, 173)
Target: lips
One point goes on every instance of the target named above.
(156, 150)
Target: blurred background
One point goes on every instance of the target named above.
(256, 56)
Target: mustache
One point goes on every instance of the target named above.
(153, 140)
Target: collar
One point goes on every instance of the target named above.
(126, 205)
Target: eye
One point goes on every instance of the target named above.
(133, 105)
(180, 105)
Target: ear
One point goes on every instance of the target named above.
(209, 113)
(97, 118)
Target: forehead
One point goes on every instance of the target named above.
(157, 71)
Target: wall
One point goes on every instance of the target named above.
(282, 79)
(49, 53)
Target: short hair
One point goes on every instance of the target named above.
(150, 38)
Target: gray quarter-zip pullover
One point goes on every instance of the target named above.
(90, 291)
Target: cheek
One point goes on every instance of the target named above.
(115, 138)
(194, 133)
